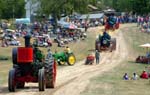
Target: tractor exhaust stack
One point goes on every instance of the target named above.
(27, 40)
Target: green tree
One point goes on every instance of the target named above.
(141, 6)
(67, 7)
(58, 7)
(12, 8)
(137, 6)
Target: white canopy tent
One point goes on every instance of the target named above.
(147, 45)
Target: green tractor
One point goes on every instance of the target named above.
(62, 58)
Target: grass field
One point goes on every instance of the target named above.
(80, 49)
(111, 83)
(135, 38)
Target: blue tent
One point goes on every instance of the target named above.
(92, 16)
(23, 21)
(63, 23)
(66, 25)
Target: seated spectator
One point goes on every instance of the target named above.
(125, 77)
(60, 44)
(145, 26)
(144, 75)
(148, 30)
(135, 76)
(142, 30)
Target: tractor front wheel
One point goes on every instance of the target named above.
(52, 76)
(41, 80)
(61, 63)
(11, 80)
(71, 59)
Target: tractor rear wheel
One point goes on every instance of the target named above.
(41, 80)
(71, 59)
(50, 83)
(11, 80)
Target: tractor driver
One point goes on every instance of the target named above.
(112, 20)
(38, 55)
(106, 37)
(67, 50)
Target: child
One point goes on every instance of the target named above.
(125, 77)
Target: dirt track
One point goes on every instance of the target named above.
(72, 80)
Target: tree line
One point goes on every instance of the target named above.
(135, 6)
(12, 9)
(16, 8)
(69, 6)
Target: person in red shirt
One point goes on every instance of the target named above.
(144, 75)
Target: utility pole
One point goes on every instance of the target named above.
(13, 9)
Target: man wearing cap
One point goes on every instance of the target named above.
(97, 56)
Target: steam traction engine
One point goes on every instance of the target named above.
(29, 65)
(111, 22)
(105, 43)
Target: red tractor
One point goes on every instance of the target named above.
(89, 59)
(29, 65)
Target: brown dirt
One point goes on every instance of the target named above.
(72, 80)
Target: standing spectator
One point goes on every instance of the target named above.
(148, 56)
(49, 55)
(86, 26)
(141, 21)
(138, 20)
(97, 56)
(149, 22)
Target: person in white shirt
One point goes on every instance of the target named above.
(135, 76)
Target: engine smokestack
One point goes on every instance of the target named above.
(27, 40)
